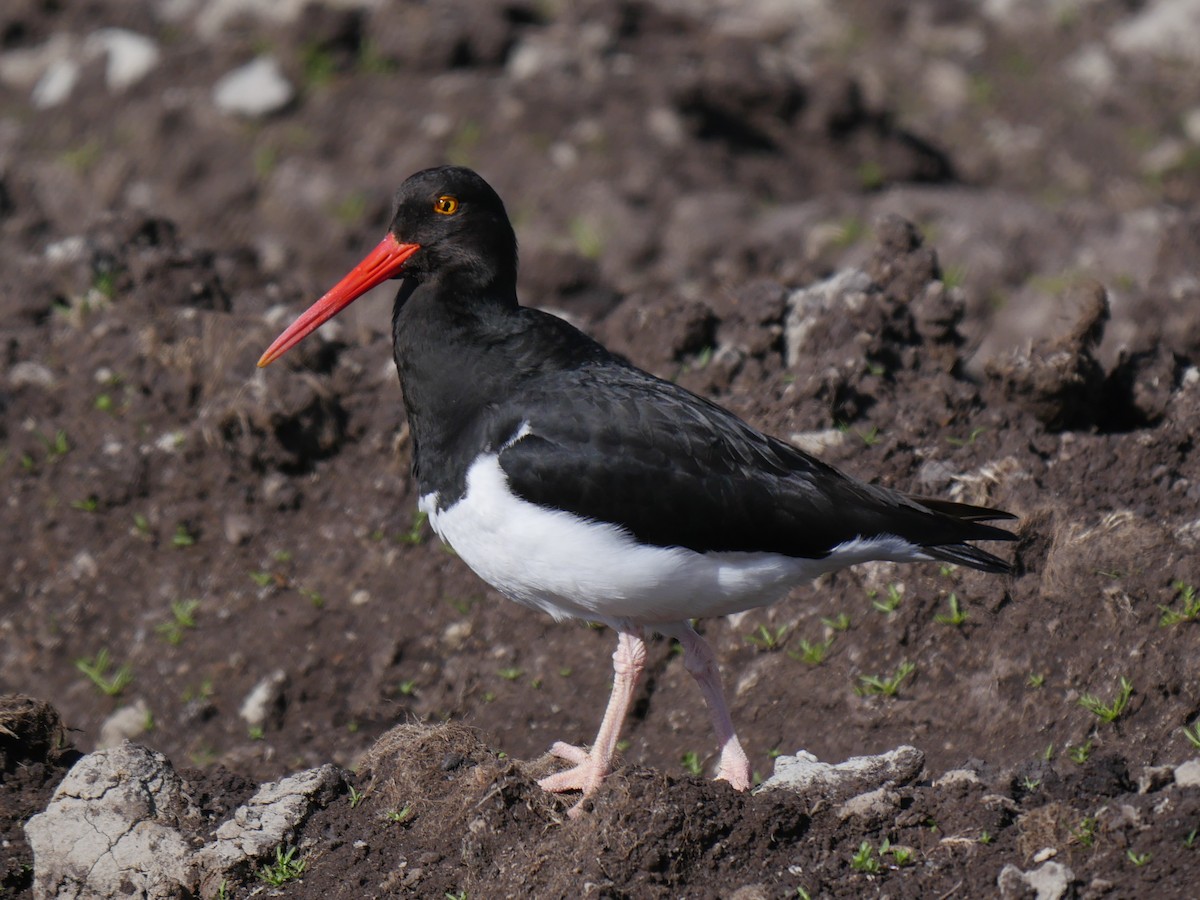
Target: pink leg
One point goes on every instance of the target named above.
(589, 770)
(698, 658)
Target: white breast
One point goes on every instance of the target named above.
(572, 567)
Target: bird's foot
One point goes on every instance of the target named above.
(585, 775)
(735, 767)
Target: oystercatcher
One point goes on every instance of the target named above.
(575, 483)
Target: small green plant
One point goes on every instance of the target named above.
(1030, 784)
(1190, 840)
(840, 622)
(316, 598)
(971, 437)
(767, 640)
(319, 65)
(141, 525)
(407, 688)
(356, 797)
(103, 403)
(812, 653)
(456, 895)
(416, 531)
(864, 859)
(182, 537)
(887, 686)
(91, 504)
(956, 616)
(1048, 753)
(1192, 734)
(1082, 753)
(262, 578)
(256, 733)
(1109, 712)
(691, 762)
(895, 594)
(56, 447)
(183, 617)
(985, 837)
(1138, 859)
(97, 672)
(589, 242)
(1191, 606)
(901, 856)
(1085, 832)
(1035, 680)
(285, 868)
(510, 673)
(399, 816)
(870, 437)
(802, 893)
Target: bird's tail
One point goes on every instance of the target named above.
(972, 518)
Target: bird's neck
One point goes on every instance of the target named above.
(450, 352)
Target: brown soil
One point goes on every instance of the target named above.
(208, 525)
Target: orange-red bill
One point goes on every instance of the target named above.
(382, 263)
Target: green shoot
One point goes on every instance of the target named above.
(91, 504)
(262, 578)
(691, 762)
(416, 532)
(864, 859)
(1085, 832)
(969, 439)
(1036, 680)
(985, 837)
(510, 673)
(767, 640)
(1048, 753)
(840, 622)
(894, 595)
(182, 618)
(878, 684)
(97, 671)
(407, 688)
(1108, 712)
(1192, 734)
(399, 816)
(1030, 784)
(285, 868)
(356, 797)
(1082, 753)
(1138, 859)
(812, 653)
(957, 615)
(1191, 606)
(182, 537)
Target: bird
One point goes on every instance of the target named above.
(577, 484)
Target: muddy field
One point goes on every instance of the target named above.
(951, 246)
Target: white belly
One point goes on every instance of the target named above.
(568, 566)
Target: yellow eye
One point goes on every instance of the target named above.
(446, 205)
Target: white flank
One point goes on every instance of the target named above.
(571, 567)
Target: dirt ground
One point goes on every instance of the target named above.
(181, 531)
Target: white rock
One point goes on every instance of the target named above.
(22, 68)
(857, 775)
(1168, 28)
(1092, 68)
(256, 89)
(1188, 774)
(112, 829)
(131, 56)
(125, 723)
(31, 372)
(845, 291)
(55, 86)
(256, 707)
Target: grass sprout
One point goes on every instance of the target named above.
(1109, 712)
(111, 685)
(887, 686)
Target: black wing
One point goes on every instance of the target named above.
(676, 470)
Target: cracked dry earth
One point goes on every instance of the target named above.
(936, 244)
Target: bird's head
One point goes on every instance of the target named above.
(448, 223)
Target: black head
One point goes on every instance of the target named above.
(449, 226)
(460, 224)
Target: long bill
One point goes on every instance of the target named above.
(382, 263)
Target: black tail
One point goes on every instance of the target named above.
(963, 553)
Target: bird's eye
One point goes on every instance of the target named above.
(446, 205)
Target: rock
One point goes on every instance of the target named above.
(871, 808)
(957, 776)
(845, 291)
(113, 828)
(857, 776)
(1188, 774)
(1168, 28)
(1050, 881)
(1154, 778)
(125, 723)
(56, 84)
(29, 372)
(263, 699)
(255, 90)
(264, 822)
(131, 56)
